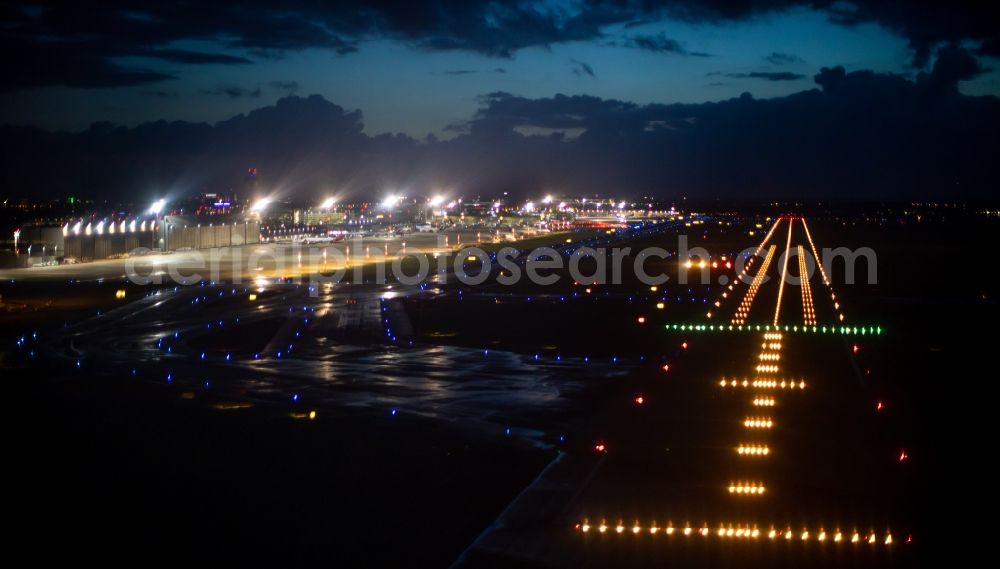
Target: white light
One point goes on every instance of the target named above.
(391, 201)
(436, 201)
(260, 205)
(547, 200)
(76, 228)
(530, 206)
(327, 203)
(157, 206)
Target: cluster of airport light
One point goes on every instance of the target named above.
(746, 488)
(843, 330)
(822, 272)
(784, 272)
(763, 383)
(111, 228)
(743, 310)
(745, 270)
(808, 309)
(753, 450)
(765, 366)
(741, 531)
(758, 423)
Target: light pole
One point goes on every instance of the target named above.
(17, 236)
(434, 202)
(155, 209)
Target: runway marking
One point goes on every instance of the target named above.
(822, 272)
(808, 310)
(744, 309)
(745, 271)
(784, 270)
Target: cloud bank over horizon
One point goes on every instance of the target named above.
(856, 135)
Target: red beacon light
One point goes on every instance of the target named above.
(879, 406)
(903, 456)
(684, 345)
(600, 447)
(641, 320)
(856, 348)
(666, 367)
(640, 400)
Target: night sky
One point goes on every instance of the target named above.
(759, 99)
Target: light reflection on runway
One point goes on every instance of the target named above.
(325, 353)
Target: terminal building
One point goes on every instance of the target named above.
(107, 240)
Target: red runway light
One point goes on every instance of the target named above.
(856, 348)
(639, 400)
(600, 447)
(666, 367)
(879, 406)
(903, 456)
(684, 345)
(642, 320)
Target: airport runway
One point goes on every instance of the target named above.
(758, 448)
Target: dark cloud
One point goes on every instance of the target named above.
(460, 71)
(660, 43)
(233, 92)
(767, 75)
(161, 94)
(289, 86)
(75, 64)
(195, 57)
(581, 68)
(50, 42)
(953, 64)
(924, 23)
(778, 58)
